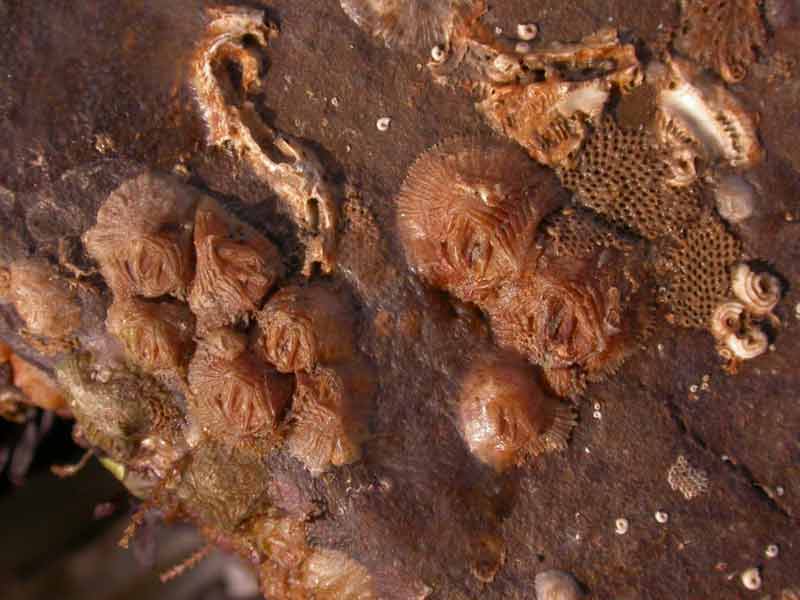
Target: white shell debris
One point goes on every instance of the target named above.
(527, 31)
(751, 578)
(383, 123)
(621, 526)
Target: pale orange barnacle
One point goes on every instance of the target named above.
(506, 415)
(328, 415)
(156, 336)
(467, 215)
(236, 398)
(43, 299)
(143, 237)
(304, 326)
(760, 292)
(236, 267)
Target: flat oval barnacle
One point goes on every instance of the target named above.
(467, 215)
(328, 415)
(42, 298)
(735, 199)
(157, 336)
(759, 292)
(234, 396)
(142, 240)
(506, 415)
(302, 327)
(557, 585)
(236, 267)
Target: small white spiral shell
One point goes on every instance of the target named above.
(726, 320)
(751, 344)
(759, 292)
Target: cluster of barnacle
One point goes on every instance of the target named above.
(211, 368)
(575, 297)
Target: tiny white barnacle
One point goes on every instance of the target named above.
(383, 123)
(438, 53)
(621, 526)
(597, 415)
(751, 578)
(661, 516)
(527, 31)
(771, 551)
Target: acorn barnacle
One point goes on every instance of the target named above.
(304, 326)
(409, 24)
(43, 299)
(723, 36)
(759, 292)
(143, 237)
(156, 336)
(467, 215)
(506, 415)
(735, 199)
(557, 585)
(234, 396)
(236, 267)
(329, 415)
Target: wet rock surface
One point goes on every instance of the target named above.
(82, 112)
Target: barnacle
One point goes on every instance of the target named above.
(505, 415)
(688, 480)
(467, 215)
(734, 199)
(699, 271)
(621, 174)
(116, 409)
(298, 179)
(293, 570)
(410, 24)
(723, 36)
(583, 307)
(703, 115)
(236, 267)
(143, 237)
(42, 298)
(738, 339)
(222, 488)
(727, 319)
(304, 326)
(156, 336)
(329, 415)
(548, 119)
(235, 397)
(759, 292)
(557, 585)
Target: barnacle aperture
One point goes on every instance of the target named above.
(236, 267)
(506, 415)
(143, 237)
(236, 397)
(42, 298)
(156, 336)
(467, 215)
(303, 326)
(329, 415)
